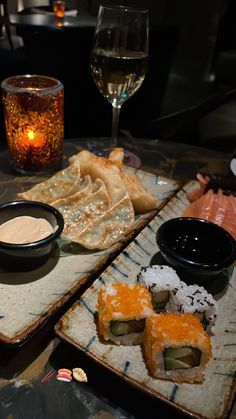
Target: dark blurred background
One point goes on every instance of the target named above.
(188, 95)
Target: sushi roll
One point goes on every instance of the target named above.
(196, 300)
(122, 311)
(177, 347)
(160, 281)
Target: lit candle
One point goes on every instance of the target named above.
(34, 119)
(59, 9)
(34, 139)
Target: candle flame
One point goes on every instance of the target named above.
(31, 135)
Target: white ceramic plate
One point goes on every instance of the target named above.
(28, 299)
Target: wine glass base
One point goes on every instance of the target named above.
(130, 159)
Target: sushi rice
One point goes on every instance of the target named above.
(172, 295)
(160, 281)
(196, 300)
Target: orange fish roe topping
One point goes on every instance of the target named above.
(166, 328)
(124, 301)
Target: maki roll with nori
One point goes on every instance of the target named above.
(122, 311)
(196, 300)
(160, 281)
(177, 347)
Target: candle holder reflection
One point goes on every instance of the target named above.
(34, 121)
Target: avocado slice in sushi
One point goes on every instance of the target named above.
(183, 357)
(119, 328)
(159, 300)
(175, 364)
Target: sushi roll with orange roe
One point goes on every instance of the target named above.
(122, 311)
(177, 347)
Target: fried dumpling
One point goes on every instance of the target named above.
(63, 183)
(117, 156)
(141, 199)
(110, 227)
(86, 187)
(80, 210)
(100, 167)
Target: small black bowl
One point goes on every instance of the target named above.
(199, 250)
(29, 256)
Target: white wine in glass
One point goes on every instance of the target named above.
(119, 56)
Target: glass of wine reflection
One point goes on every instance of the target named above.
(119, 56)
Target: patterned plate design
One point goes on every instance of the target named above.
(29, 298)
(211, 399)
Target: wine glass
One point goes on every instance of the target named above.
(119, 56)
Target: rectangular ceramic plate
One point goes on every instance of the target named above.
(28, 299)
(212, 398)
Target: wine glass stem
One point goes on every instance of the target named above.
(115, 124)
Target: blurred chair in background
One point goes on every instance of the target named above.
(199, 106)
(12, 57)
(5, 22)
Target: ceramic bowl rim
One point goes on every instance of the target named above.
(191, 264)
(39, 243)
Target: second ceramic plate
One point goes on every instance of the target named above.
(211, 399)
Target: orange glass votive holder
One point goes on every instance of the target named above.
(34, 122)
(59, 9)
